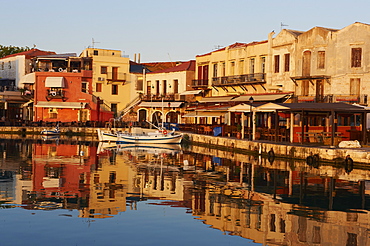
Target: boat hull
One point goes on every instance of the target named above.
(106, 137)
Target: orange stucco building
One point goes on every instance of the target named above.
(63, 92)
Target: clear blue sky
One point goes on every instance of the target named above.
(164, 30)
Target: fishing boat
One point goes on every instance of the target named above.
(107, 136)
(54, 131)
(161, 136)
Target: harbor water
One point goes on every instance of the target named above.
(76, 192)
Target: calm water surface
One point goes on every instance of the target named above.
(58, 192)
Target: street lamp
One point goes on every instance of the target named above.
(251, 118)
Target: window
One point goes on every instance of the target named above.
(98, 87)
(114, 89)
(96, 52)
(277, 63)
(232, 68)
(354, 87)
(53, 113)
(10, 65)
(241, 67)
(2, 66)
(263, 64)
(84, 87)
(223, 69)
(305, 87)
(356, 57)
(139, 84)
(321, 60)
(104, 70)
(286, 62)
(215, 70)
(251, 68)
(175, 86)
(113, 108)
(164, 89)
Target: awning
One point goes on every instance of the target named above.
(26, 104)
(241, 108)
(271, 107)
(55, 82)
(260, 98)
(204, 114)
(216, 99)
(27, 79)
(60, 105)
(160, 104)
(194, 92)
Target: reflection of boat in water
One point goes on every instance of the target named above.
(150, 149)
(106, 146)
(50, 137)
(157, 137)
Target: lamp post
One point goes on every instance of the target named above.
(251, 118)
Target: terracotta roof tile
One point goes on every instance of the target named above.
(186, 66)
(31, 53)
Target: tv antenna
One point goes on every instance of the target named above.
(93, 43)
(281, 25)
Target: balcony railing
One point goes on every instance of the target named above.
(239, 79)
(158, 97)
(200, 83)
(116, 77)
(332, 98)
(55, 93)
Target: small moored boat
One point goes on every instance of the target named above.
(54, 131)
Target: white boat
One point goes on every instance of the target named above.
(107, 136)
(157, 137)
(54, 131)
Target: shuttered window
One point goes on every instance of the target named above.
(277, 63)
(356, 57)
(355, 86)
(286, 62)
(321, 60)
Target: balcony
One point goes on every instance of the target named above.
(203, 83)
(116, 77)
(333, 98)
(55, 94)
(254, 78)
(158, 97)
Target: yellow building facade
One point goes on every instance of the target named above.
(237, 69)
(111, 77)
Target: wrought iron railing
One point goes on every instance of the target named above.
(239, 79)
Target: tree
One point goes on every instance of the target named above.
(9, 50)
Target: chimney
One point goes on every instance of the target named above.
(135, 57)
(138, 58)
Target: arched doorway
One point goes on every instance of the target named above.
(157, 118)
(172, 117)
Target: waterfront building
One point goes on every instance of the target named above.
(323, 64)
(63, 90)
(13, 71)
(110, 77)
(167, 90)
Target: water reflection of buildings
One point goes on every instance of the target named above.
(278, 202)
(110, 184)
(159, 173)
(283, 202)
